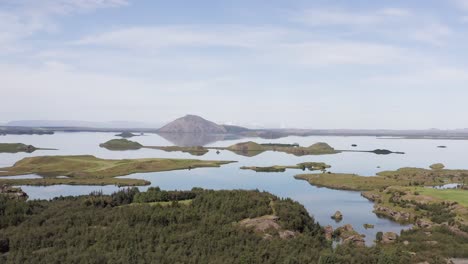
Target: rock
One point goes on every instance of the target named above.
(371, 196)
(356, 240)
(347, 228)
(424, 224)
(353, 145)
(432, 243)
(12, 192)
(338, 216)
(328, 232)
(286, 234)
(406, 242)
(368, 226)
(395, 215)
(261, 224)
(389, 238)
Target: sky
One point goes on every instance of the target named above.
(393, 64)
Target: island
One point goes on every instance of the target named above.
(126, 134)
(312, 166)
(252, 149)
(125, 144)
(16, 147)
(89, 170)
(121, 144)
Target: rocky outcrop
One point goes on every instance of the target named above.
(12, 192)
(328, 232)
(393, 214)
(371, 196)
(268, 226)
(337, 216)
(389, 238)
(349, 236)
(424, 224)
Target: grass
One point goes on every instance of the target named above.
(252, 148)
(121, 144)
(455, 195)
(301, 166)
(196, 151)
(343, 181)
(125, 144)
(15, 148)
(89, 170)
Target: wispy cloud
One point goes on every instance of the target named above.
(341, 17)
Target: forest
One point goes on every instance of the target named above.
(132, 227)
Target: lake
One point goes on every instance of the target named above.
(320, 202)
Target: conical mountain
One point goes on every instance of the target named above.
(193, 124)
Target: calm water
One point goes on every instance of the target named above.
(320, 202)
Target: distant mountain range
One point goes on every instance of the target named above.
(196, 126)
(88, 124)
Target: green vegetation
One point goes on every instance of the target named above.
(99, 229)
(126, 135)
(437, 166)
(196, 151)
(252, 149)
(16, 147)
(213, 227)
(400, 177)
(455, 195)
(343, 181)
(121, 144)
(302, 166)
(89, 170)
(125, 144)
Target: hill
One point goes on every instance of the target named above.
(193, 124)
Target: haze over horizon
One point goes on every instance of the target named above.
(299, 64)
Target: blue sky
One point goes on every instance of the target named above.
(308, 64)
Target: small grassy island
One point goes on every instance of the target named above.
(121, 144)
(126, 134)
(406, 196)
(125, 144)
(89, 170)
(252, 149)
(16, 147)
(311, 166)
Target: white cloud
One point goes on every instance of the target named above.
(24, 18)
(173, 36)
(395, 24)
(340, 17)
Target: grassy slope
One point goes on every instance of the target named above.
(454, 195)
(90, 170)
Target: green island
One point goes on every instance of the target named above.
(16, 147)
(126, 134)
(130, 226)
(407, 196)
(125, 144)
(252, 149)
(311, 166)
(121, 144)
(89, 170)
